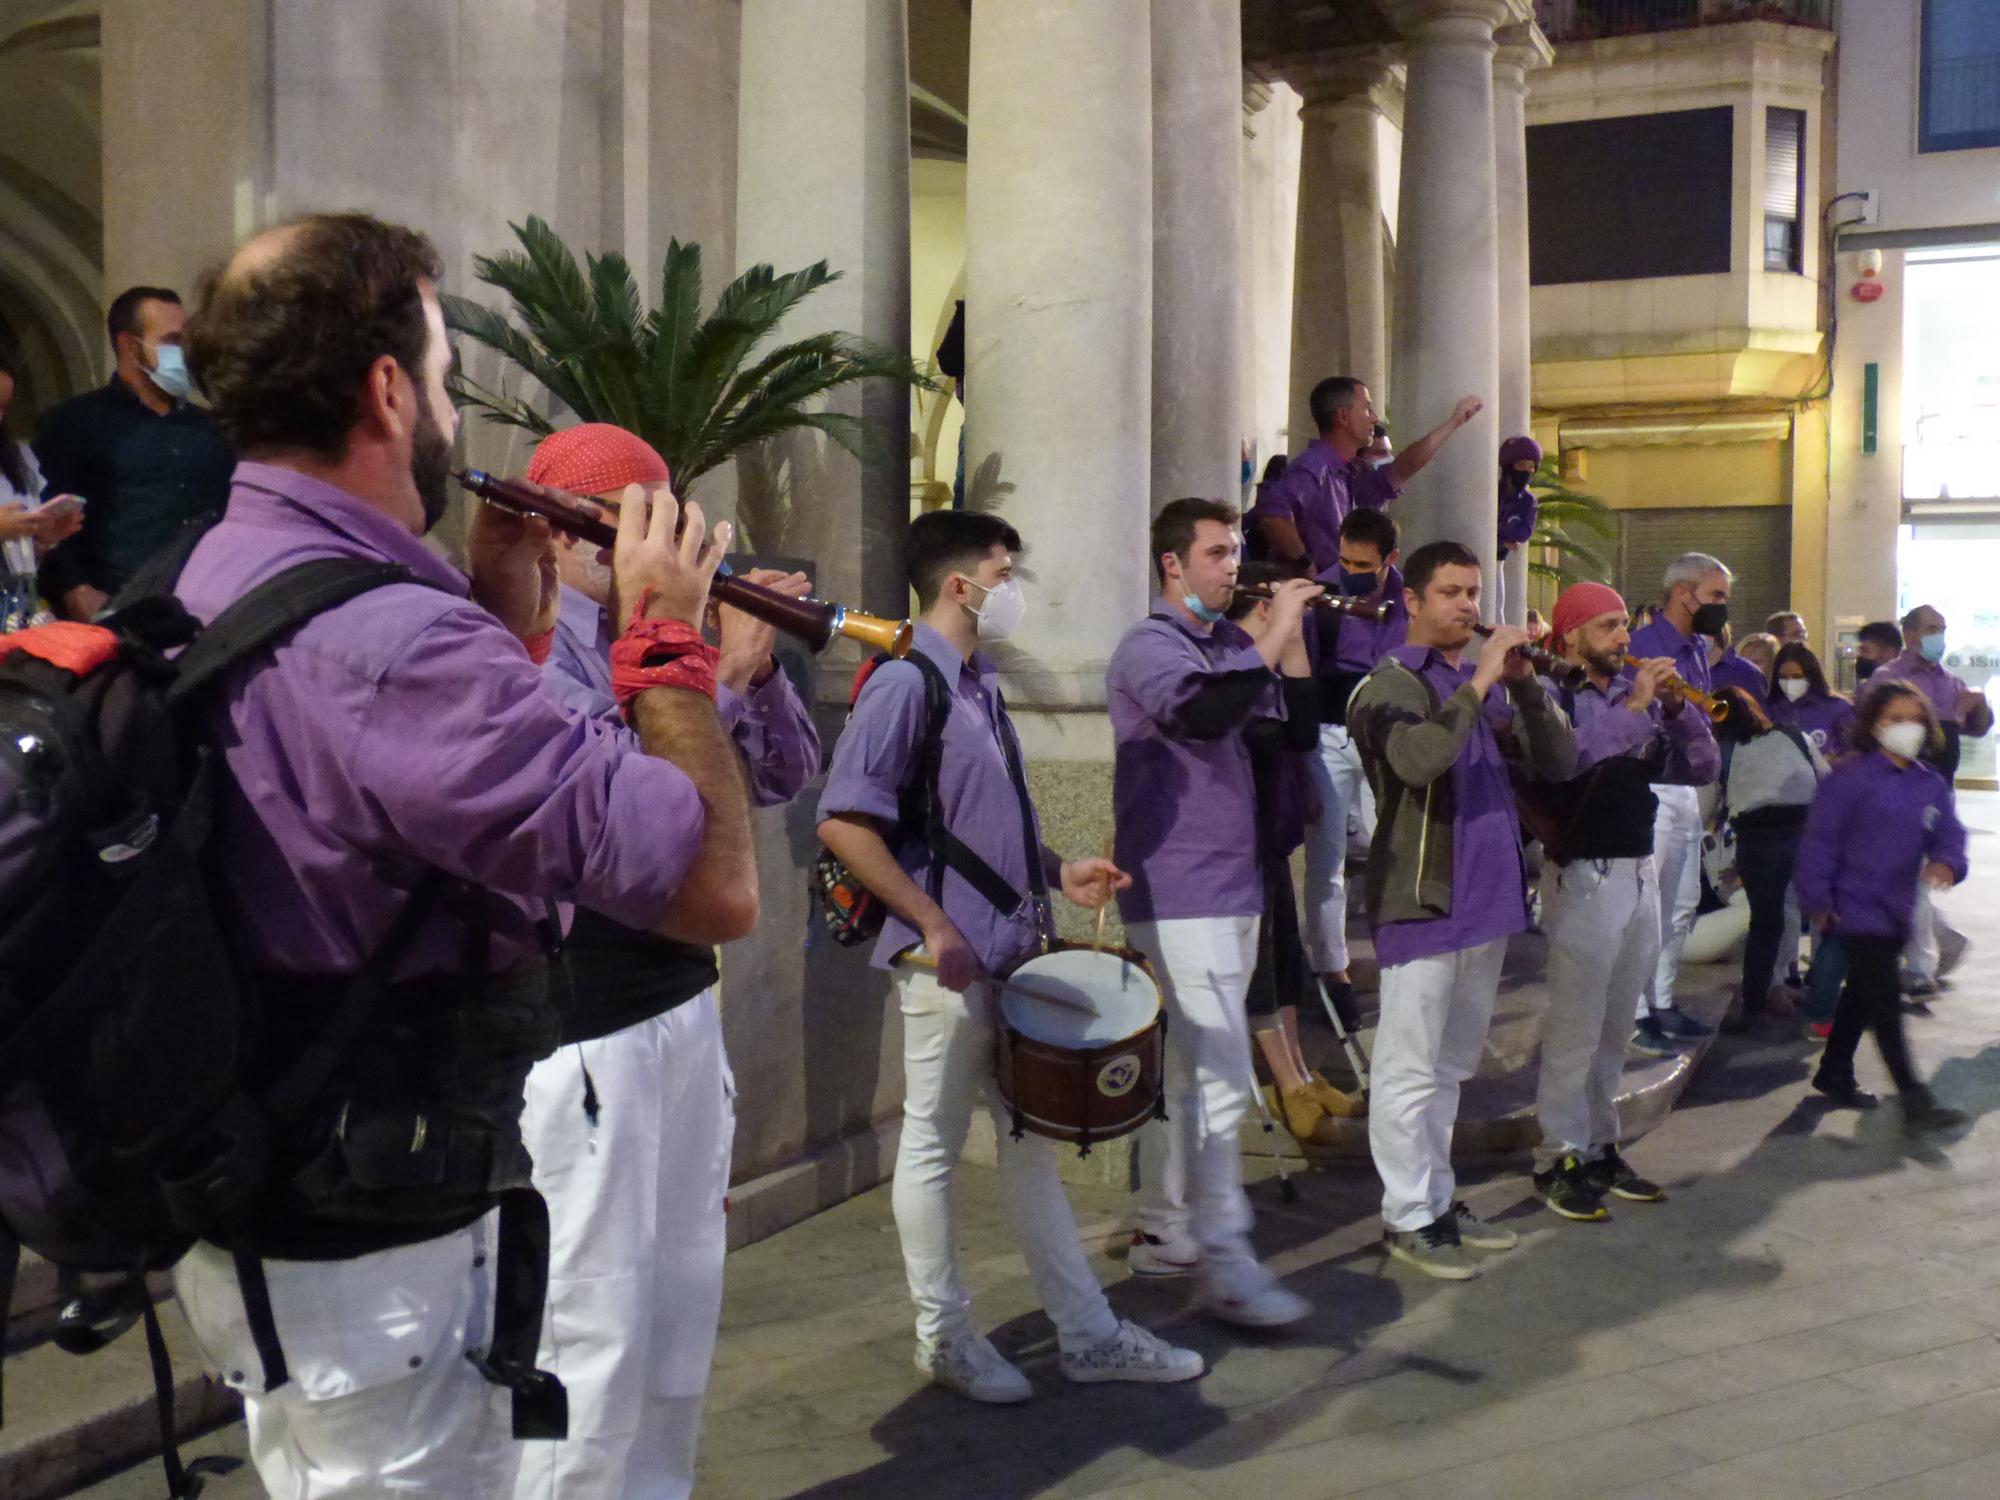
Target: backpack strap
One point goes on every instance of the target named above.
(947, 850)
(273, 610)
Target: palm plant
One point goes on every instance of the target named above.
(1556, 554)
(686, 383)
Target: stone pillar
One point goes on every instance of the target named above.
(823, 173)
(670, 131)
(1198, 284)
(1521, 48)
(1340, 306)
(1059, 304)
(1447, 313)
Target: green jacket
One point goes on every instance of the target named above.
(1409, 742)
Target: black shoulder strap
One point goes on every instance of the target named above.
(272, 610)
(1793, 733)
(947, 850)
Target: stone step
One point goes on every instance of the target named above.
(71, 1420)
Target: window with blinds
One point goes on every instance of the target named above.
(1753, 541)
(1784, 188)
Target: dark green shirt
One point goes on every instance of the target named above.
(142, 476)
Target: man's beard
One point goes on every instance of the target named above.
(1604, 663)
(430, 466)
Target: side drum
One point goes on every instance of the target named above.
(1081, 1043)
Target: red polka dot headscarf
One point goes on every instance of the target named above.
(595, 458)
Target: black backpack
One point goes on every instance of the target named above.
(124, 1024)
(853, 913)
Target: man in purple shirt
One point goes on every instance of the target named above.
(962, 568)
(1694, 608)
(632, 1119)
(1347, 649)
(1519, 458)
(1600, 905)
(408, 731)
(1180, 688)
(1296, 519)
(1961, 711)
(1446, 886)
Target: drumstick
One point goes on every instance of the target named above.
(1097, 942)
(923, 960)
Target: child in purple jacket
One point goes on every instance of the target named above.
(1882, 821)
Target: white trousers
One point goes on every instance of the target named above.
(637, 1235)
(1677, 836)
(382, 1403)
(1431, 1035)
(948, 1069)
(1603, 922)
(1346, 811)
(1191, 1164)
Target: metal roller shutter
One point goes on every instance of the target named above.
(1755, 542)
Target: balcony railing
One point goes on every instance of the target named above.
(1583, 20)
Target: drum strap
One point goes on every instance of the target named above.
(1010, 746)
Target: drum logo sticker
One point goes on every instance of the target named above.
(1118, 1077)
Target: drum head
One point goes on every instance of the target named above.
(1121, 997)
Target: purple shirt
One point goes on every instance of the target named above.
(770, 726)
(1358, 644)
(1824, 719)
(1606, 728)
(1733, 671)
(1518, 509)
(1315, 493)
(1872, 828)
(875, 756)
(1489, 882)
(1934, 680)
(405, 729)
(1688, 653)
(1185, 809)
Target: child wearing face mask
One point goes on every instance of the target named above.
(1883, 821)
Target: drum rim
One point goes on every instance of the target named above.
(1136, 960)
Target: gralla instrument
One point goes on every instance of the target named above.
(1082, 1042)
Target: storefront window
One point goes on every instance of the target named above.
(1952, 568)
(1951, 386)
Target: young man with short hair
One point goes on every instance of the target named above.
(1600, 901)
(1446, 884)
(1695, 607)
(961, 565)
(1180, 688)
(1348, 649)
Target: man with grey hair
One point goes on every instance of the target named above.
(1694, 606)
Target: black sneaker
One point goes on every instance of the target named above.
(1681, 1026)
(1647, 1037)
(1612, 1174)
(1567, 1188)
(1922, 1114)
(1844, 1093)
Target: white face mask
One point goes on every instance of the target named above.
(1905, 739)
(1793, 688)
(1005, 607)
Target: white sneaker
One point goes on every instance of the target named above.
(1132, 1353)
(1247, 1294)
(1153, 1256)
(969, 1364)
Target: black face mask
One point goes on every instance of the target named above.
(1514, 479)
(1863, 668)
(1357, 584)
(430, 466)
(1710, 618)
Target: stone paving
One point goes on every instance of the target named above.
(1815, 1312)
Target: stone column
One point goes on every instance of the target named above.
(1521, 48)
(1340, 305)
(823, 173)
(1447, 313)
(1198, 284)
(1059, 304)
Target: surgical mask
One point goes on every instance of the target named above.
(1358, 583)
(1793, 688)
(1005, 605)
(1932, 647)
(1905, 739)
(170, 371)
(1710, 618)
(1202, 612)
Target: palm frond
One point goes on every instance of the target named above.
(484, 326)
(496, 407)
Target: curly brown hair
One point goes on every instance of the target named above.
(287, 330)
